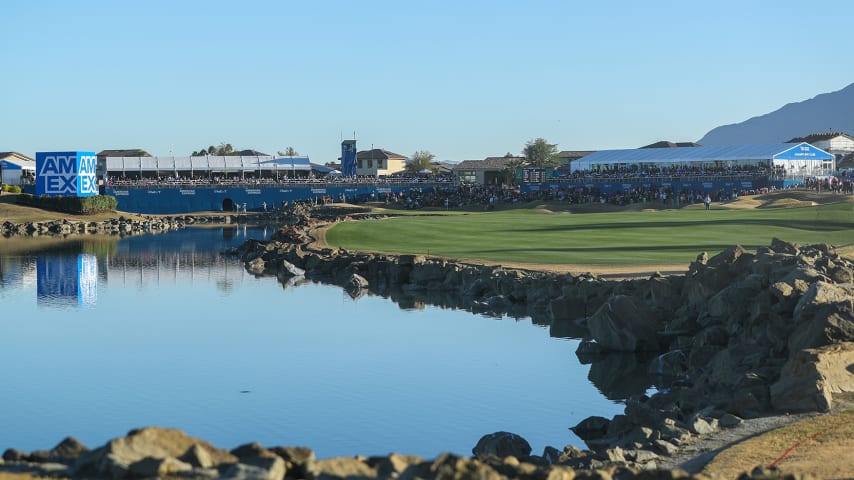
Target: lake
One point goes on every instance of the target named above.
(104, 335)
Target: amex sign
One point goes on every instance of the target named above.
(66, 174)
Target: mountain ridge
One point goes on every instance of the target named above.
(824, 112)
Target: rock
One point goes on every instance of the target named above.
(592, 428)
(197, 456)
(298, 460)
(665, 448)
(623, 324)
(252, 450)
(357, 282)
(811, 377)
(642, 456)
(824, 315)
(158, 467)
(67, 450)
(13, 455)
(116, 457)
(341, 468)
(256, 266)
(729, 420)
(671, 364)
(292, 269)
(395, 464)
(700, 426)
(502, 444)
(259, 468)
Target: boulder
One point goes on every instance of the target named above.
(623, 324)
(150, 467)
(116, 456)
(671, 364)
(811, 377)
(357, 282)
(293, 270)
(591, 428)
(502, 444)
(258, 468)
(341, 468)
(256, 266)
(824, 315)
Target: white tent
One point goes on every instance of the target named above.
(13, 169)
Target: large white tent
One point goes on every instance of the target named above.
(794, 158)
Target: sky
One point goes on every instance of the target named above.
(461, 79)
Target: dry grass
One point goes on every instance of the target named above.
(10, 211)
(823, 447)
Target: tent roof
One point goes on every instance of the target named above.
(13, 163)
(697, 154)
(206, 163)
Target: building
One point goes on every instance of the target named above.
(837, 143)
(378, 162)
(16, 168)
(794, 160)
(489, 171)
(123, 152)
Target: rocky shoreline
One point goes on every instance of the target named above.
(740, 336)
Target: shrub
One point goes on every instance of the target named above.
(75, 205)
(12, 188)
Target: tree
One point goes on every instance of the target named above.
(541, 154)
(508, 173)
(420, 161)
(289, 152)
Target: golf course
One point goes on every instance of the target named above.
(604, 237)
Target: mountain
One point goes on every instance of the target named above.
(828, 111)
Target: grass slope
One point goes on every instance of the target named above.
(539, 236)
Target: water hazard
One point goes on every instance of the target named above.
(101, 336)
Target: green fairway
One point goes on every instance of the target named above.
(537, 236)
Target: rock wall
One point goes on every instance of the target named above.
(119, 226)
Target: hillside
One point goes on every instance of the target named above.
(828, 111)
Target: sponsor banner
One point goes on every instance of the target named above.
(320, 191)
(66, 174)
(187, 192)
(253, 191)
(153, 192)
(121, 193)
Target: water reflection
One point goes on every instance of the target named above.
(67, 280)
(173, 315)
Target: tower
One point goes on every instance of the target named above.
(348, 158)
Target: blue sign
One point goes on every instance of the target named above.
(70, 174)
(804, 151)
(348, 158)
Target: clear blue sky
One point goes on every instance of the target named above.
(463, 79)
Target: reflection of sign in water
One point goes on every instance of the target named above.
(67, 280)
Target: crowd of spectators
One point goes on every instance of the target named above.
(649, 171)
(186, 181)
(838, 184)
